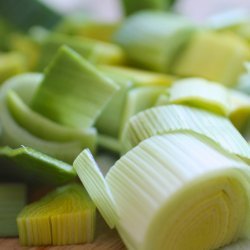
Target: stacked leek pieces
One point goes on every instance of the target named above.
(156, 89)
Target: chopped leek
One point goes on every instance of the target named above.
(13, 199)
(153, 39)
(175, 118)
(217, 57)
(65, 216)
(29, 165)
(151, 190)
(108, 142)
(22, 126)
(74, 90)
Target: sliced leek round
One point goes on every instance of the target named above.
(176, 191)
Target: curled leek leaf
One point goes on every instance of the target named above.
(65, 216)
(13, 199)
(22, 126)
(76, 97)
(175, 118)
(175, 191)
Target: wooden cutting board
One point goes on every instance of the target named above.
(105, 239)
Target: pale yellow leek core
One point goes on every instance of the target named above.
(65, 216)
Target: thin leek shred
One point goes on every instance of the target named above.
(153, 188)
(29, 165)
(108, 142)
(153, 39)
(95, 51)
(65, 216)
(131, 6)
(74, 90)
(216, 57)
(211, 96)
(22, 126)
(139, 99)
(176, 118)
(13, 200)
(26, 13)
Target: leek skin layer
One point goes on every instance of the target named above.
(131, 6)
(154, 186)
(13, 199)
(26, 13)
(216, 57)
(74, 90)
(176, 118)
(95, 51)
(210, 96)
(153, 39)
(28, 165)
(64, 216)
(22, 126)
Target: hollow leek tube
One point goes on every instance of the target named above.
(64, 216)
(13, 199)
(153, 39)
(22, 126)
(175, 191)
(211, 96)
(175, 118)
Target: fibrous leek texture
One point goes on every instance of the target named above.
(23, 126)
(13, 199)
(29, 165)
(176, 191)
(153, 39)
(74, 90)
(65, 216)
(176, 118)
(210, 96)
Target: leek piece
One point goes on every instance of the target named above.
(64, 216)
(108, 142)
(29, 165)
(44, 128)
(26, 13)
(74, 90)
(139, 99)
(94, 182)
(140, 78)
(109, 121)
(62, 143)
(217, 57)
(93, 50)
(13, 199)
(175, 118)
(153, 39)
(167, 185)
(131, 6)
(11, 63)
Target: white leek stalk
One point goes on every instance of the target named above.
(176, 191)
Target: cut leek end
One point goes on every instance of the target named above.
(218, 216)
(13, 199)
(65, 216)
(94, 182)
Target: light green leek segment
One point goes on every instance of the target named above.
(154, 187)
(28, 165)
(109, 143)
(13, 199)
(95, 51)
(65, 216)
(94, 182)
(176, 118)
(210, 96)
(216, 57)
(74, 90)
(153, 39)
(22, 126)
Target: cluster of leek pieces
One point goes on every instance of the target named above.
(183, 180)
